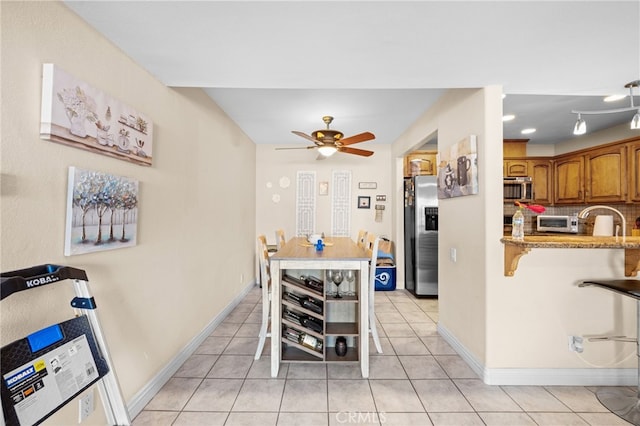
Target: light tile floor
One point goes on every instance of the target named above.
(418, 380)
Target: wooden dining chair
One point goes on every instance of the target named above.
(372, 250)
(280, 239)
(370, 239)
(265, 281)
(362, 238)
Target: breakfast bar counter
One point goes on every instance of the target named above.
(515, 249)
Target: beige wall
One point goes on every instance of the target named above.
(197, 201)
(590, 140)
(273, 165)
(206, 197)
(521, 322)
(465, 222)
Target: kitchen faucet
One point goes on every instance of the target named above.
(584, 213)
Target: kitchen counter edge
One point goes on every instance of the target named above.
(544, 241)
(515, 249)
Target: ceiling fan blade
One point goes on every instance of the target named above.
(298, 147)
(362, 137)
(356, 151)
(304, 135)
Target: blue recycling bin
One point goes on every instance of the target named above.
(385, 278)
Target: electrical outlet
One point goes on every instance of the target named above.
(453, 254)
(86, 406)
(575, 344)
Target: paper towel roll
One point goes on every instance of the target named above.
(603, 226)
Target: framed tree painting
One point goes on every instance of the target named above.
(102, 212)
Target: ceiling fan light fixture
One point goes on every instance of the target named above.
(635, 121)
(581, 126)
(327, 151)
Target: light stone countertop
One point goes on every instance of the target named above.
(515, 249)
(574, 241)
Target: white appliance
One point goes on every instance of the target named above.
(562, 224)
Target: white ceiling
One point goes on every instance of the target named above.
(378, 65)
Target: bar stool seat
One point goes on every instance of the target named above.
(623, 402)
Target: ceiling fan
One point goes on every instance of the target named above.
(330, 141)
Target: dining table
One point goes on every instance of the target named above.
(299, 257)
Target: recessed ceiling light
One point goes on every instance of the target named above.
(508, 117)
(614, 98)
(528, 131)
(504, 96)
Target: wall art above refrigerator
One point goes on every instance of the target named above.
(458, 169)
(77, 114)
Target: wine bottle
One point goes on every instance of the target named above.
(314, 283)
(303, 339)
(292, 316)
(310, 342)
(311, 304)
(312, 324)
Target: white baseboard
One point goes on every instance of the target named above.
(144, 396)
(542, 376)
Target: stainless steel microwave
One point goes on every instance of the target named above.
(518, 188)
(565, 224)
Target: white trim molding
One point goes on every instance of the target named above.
(144, 396)
(541, 376)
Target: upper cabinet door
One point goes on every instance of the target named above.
(420, 163)
(516, 168)
(606, 175)
(634, 171)
(542, 177)
(569, 179)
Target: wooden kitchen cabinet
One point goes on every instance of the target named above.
(569, 179)
(541, 172)
(606, 174)
(516, 167)
(420, 163)
(634, 170)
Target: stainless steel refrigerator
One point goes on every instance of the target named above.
(421, 235)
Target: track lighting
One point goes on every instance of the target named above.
(635, 121)
(580, 127)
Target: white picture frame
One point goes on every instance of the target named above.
(367, 185)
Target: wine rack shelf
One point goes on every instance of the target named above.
(303, 348)
(351, 356)
(295, 307)
(305, 313)
(296, 353)
(345, 309)
(341, 329)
